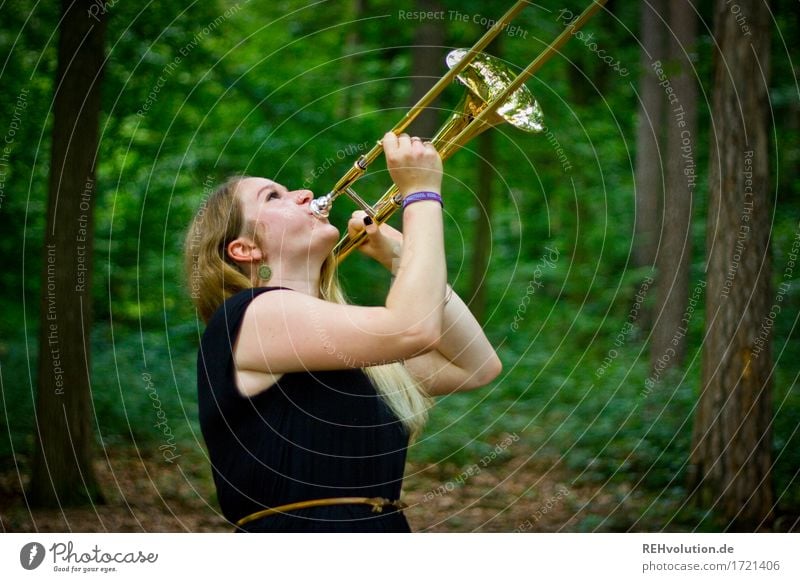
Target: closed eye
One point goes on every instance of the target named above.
(270, 194)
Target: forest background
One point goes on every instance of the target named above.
(544, 237)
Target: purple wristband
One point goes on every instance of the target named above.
(420, 196)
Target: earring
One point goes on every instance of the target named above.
(264, 272)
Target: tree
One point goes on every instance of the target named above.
(427, 66)
(482, 240)
(648, 137)
(349, 68)
(62, 471)
(731, 460)
(675, 248)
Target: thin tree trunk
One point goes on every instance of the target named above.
(648, 137)
(731, 457)
(427, 66)
(62, 471)
(675, 251)
(482, 242)
(350, 72)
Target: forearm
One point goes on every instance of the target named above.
(417, 293)
(463, 341)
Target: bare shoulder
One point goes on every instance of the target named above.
(251, 381)
(286, 331)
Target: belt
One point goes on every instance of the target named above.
(377, 503)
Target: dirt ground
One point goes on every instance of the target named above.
(519, 494)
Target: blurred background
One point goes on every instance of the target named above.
(584, 250)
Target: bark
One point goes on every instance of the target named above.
(731, 457)
(648, 137)
(672, 317)
(427, 66)
(482, 242)
(350, 100)
(62, 471)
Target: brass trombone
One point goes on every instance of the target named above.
(494, 95)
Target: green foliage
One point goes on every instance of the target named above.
(274, 89)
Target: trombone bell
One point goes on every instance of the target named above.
(485, 78)
(494, 95)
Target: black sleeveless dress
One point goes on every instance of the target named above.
(311, 435)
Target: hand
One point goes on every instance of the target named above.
(383, 243)
(414, 166)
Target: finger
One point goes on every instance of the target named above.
(403, 140)
(356, 223)
(369, 225)
(363, 219)
(428, 145)
(432, 154)
(390, 143)
(359, 221)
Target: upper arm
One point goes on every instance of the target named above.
(285, 331)
(439, 376)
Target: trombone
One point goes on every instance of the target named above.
(494, 95)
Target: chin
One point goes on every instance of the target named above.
(326, 236)
(327, 230)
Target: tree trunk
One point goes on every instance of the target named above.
(648, 137)
(349, 68)
(62, 471)
(675, 252)
(482, 241)
(730, 461)
(427, 66)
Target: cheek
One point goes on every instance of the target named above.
(287, 216)
(283, 228)
(277, 221)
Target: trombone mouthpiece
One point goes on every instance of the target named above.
(321, 206)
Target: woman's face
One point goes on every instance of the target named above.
(284, 219)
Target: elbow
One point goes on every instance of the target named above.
(490, 370)
(424, 338)
(495, 368)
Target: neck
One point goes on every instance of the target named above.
(304, 279)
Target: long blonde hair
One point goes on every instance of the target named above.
(214, 277)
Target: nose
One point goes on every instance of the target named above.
(304, 196)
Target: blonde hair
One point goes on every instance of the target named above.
(214, 277)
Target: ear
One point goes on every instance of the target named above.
(244, 250)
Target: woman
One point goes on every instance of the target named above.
(307, 404)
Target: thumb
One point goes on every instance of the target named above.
(370, 225)
(359, 221)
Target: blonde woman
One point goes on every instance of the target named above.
(307, 404)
